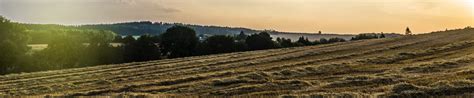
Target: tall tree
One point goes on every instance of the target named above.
(143, 49)
(220, 44)
(13, 44)
(260, 41)
(179, 41)
(242, 36)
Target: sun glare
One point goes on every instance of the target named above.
(471, 3)
(471, 6)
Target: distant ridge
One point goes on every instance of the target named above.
(156, 28)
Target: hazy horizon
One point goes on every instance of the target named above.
(341, 17)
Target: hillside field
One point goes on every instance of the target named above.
(439, 63)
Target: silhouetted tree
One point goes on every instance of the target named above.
(260, 41)
(104, 54)
(382, 35)
(241, 46)
(242, 36)
(304, 41)
(285, 42)
(365, 36)
(408, 31)
(220, 44)
(143, 49)
(178, 41)
(336, 39)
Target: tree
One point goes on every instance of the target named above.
(128, 39)
(241, 46)
(178, 41)
(304, 41)
(336, 39)
(319, 32)
(13, 45)
(382, 35)
(365, 36)
(118, 39)
(242, 36)
(102, 37)
(323, 41)
(143, 49)
(260, 41)
(286, 43)
(408, 31)
(65, 51)
(316, 42)
(220, 44)
(100, 51)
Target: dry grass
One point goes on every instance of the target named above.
(421, 65)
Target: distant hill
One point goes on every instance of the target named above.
(156, 28)
(42, 33)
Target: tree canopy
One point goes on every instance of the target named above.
(13, 44)
(220, 44)
(260, 41)
(178, 41)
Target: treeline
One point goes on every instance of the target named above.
(368, 36)
(181, 41)
(71, 48)
(156, 28)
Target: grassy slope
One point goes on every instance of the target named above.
(437, 63)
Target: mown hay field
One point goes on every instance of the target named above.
(440, 63)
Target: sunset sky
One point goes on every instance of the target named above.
(334, 16)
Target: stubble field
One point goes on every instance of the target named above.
(440, 63)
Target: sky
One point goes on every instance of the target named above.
(328, 16)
